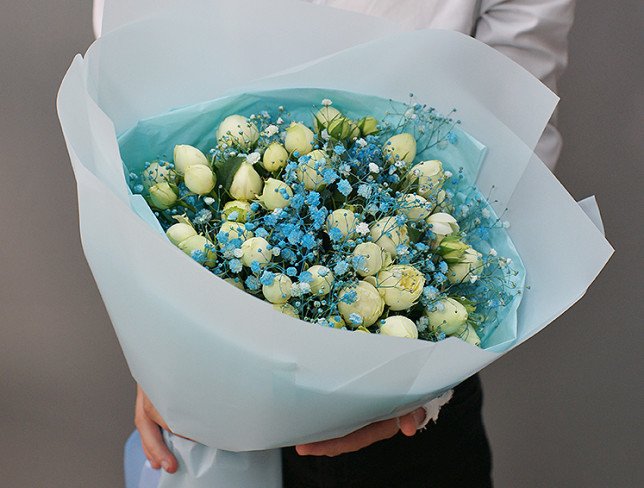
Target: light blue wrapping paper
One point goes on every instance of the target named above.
(221, 366)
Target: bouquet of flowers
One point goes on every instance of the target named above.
(341, 224)
(326, 219)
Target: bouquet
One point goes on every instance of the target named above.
(227, 369)
(342, 223)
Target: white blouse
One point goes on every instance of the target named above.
(533, 33)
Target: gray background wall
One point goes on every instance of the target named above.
(563, 410)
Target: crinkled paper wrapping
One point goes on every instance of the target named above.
(223, 367)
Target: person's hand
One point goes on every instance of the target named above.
(370, 434)
(149, 424)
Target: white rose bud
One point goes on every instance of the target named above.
(311, 173)
(185, 156)
(469, 335)
(200, 179)
(247, 183)
(429, 175)
(280, 290)
(368, 125)
(389, 234)
(275, 157)
(157, 173)
(336, 322)
(162, 196)
(180, 232)
(470, 262)
(324, 117)
(399, 326)
(443, 225)
(236, 282)
(236, 130)
(369, 304)
(343, 219)
(401, 147)
(273, 197)
(449, 317)
(323, 280)
(242, 208)
(255, 249)
(375, 258)
(287, 309)
(235, 230)
(199, 243)
(400, 286)
(299, 138)
(414, 207)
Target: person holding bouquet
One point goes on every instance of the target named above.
(421, 448)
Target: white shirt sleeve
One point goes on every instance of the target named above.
(97, 17)
(533, 33)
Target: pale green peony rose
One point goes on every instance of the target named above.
(199, 243)
(186, 156)
(414, 207)
(200, 179)
(375, 258)
(235, 230)
(255, 249)
(470, 336)
(344, 220)
(323, 280)
(443, 225)
(324, 117)
(247, 184)
(401, 147)
(399, 326)
(242, 208)
(275, 157)
(299, 138)
(400, 286)
(272, 197)
(389, 234)
(180, 232)
(280, 290)
(369, 304)
(470, 263)
(310, 173)
(157, 173)
(429, 175)
(368, 126)
(449, 317)
(236, 130)
(236, 282)
(336, 322)
(162, 196)
(286, 308)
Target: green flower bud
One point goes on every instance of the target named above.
(162, 196)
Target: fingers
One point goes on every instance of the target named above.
(148, 422)
(409, 423)
(352, 442)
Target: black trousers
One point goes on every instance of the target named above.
(452, 453)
